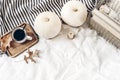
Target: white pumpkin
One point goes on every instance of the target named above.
(47, 25)
(74, 13)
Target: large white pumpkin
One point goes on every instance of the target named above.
(47, 25)
(74, 13)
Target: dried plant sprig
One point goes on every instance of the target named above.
(31, 55)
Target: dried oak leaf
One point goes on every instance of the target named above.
(5, 42)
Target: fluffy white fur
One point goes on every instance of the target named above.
(87, 57)
(47, 25)
(74, 13)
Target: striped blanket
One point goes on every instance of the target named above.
(15, 12)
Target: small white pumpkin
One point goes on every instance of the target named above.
(47, 25)
(74, 13)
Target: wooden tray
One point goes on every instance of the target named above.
(17, 48)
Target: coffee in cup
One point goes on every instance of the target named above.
(19, 35)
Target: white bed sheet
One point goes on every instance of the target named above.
(87, 57)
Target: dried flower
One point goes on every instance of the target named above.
(71, 35)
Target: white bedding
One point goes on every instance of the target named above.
(87, 57)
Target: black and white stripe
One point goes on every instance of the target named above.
(15, 12)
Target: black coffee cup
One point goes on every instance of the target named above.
(20, 36)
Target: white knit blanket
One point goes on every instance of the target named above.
(87, 57)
